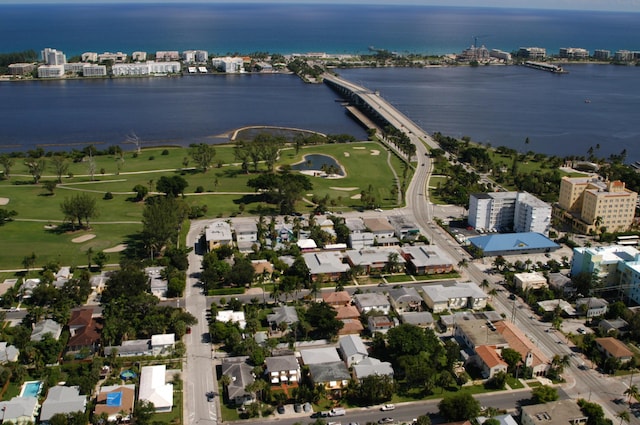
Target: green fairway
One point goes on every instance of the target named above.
(223, 189)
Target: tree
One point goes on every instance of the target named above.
(544, 394)
(632, 392)
(203, 155)
(406, 339)
(322, 318)
(6, 215)
(141, 191)
(50, 186)
(174, 185)
(36, 168)
(282, 189)
(6, 162)
(376, 389)
(512, 358)
(143, 412)
(161, 220)
(459, 407)
(60, 166)
(29, 261)
(423, 420)
(242, 271)
(623, 416)
(81, 206)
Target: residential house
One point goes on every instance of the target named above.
(355, 225)
(19, 410)
(560, 412)
(162, 344)
(373, 260)
(336, 298)
(370, 301)
(426, 259)
(157, 284)
(282, 369)
(44, 327)
(454, 296)
(505, 419)
(155, 389)
(405, 299)
(246, 235)
(319, 355)
(532, 356)
(116, 401)
(404, 229)
(612, 347)
(27, 287)
(361, 240)
(351, 327)
(262, 268)
(325, 264)
(352, 349)
(489, 361)
(562, 283)
(306, 245)
(371, 366)
(334, 376)
(130, 348)
(527, 281)
(618, 325)
(380, 324)
(241, 375)
(380, 227)
(422, 319)
(347, 312)
(286, 314)
(231, 316)
(549, 306)
(591, 306)
(84, 330)
(62, 400)
(8, 353)
(218, 234)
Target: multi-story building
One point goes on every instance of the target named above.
(589, 204)
(623, 55)
(145, 68)
(532, 52)
(195, 56)
(139, 56)
(118, 57)
(50, 71)
(600, 54)
(573, 53)
(561, 412)
(94, 70)
(21, 68)
(509, 211)
(228, 64)
(89, 57)
(53, 57)
(499, 54)
(167, 56)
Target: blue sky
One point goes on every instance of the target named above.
(607, 5)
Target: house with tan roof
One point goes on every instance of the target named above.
(346, 312)
(351, 327)
(116, 401)
(612, 347)
(336, 298)
(85, 331)
(489, 361)
(531, 354)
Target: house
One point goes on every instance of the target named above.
(405, 299)
(351, 327)
(404, 229)
(454, 296)
(246, 232)
(613, 325)
(63, 400)
(380, 324)
(327, 264)
(336, 298)
(422, 319)
(332, 375)
(361, 240)
(241, 375)
(560, 412)
(231, 316)
(372, 301)
(131, 348)
(8, 353)
(218, 234)
(355, 225)
(532, 356)
(84, 330)
(380, 227)
(27, 287)
(306, 245)
(612, 347)
(561, 283)
(526, 281)
(262, 268)
(505, 419)
(591, 306)
(352, 349)
(489, 361)
(371, 366)
(286, 314)
(155, 389)
(426, 259)
(320, 355)
(157, 284)
(44, 327)
(114, 401)
(549, 306)
(19, 410)
(282, 369)
(162, 344)
(374, 260)
(347, 312)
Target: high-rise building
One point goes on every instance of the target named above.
(519, 212)
(53, 57)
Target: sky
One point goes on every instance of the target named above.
(604, 5)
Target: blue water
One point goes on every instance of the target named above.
(316, 162)
(290, 28)
(31, 389)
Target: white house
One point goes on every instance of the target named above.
(162, 343)
(232, 316)
(352, 349)
(372, 301)
(154, 388)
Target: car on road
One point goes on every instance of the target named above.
(378, 210)
(210, 395)
(280, 409)
(387, 407)
(581, 331)
(320, 415)
(386, 421)
(512, 296)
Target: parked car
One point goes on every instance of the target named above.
(386, 407)
(337, 411)
(386, 421)
(281, 409)
(581, 331)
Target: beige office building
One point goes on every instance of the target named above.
(589, 204)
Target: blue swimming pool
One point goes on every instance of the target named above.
(31, 389)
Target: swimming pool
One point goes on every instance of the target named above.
(31, 389)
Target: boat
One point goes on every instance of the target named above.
(587, 101)
(556, 69)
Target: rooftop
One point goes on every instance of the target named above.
(513, 242)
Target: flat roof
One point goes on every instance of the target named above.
(501, 242)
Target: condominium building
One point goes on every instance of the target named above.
(94, 70)
(195, 56)
(600, 54)
(145, 68)
(603, 262)
(509, 211)
(589, 204)
(532, 52)
(118, 57)
(574, 53)
(50, 71)
(53, 57)
(500, 54)
(139, 56)
(21, 68)
(167, 56)
(89, 57)
(228, 64)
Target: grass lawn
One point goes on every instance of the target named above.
(173, 417)
(514, 383)
(225, 193)
(398, 278)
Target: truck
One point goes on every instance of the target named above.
(337, 411)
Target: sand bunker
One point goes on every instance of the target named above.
(346, 189)
(375, 152)
(83, 238)
(117, 248)
(4, 201)
(346, 154)
(359, 147)
(358, 196)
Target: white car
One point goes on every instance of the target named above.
(387, 407)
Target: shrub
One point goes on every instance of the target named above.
(165, 152)
(108, 196)
(151, 158)
(199, 189)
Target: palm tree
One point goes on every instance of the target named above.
(624, 416)
(632, 391)
(463, 264)
(484, 284)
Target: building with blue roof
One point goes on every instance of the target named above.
(513, 244)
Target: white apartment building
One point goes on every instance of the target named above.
(74, 67)
(573, 53)
(228, 64)
(531, 215)
(500, 54)
(167, 56)
(53, 57)
(533, 52)
(89, 57)
(94, 70)
(195, 56)
(147, 68)
(118, 57)
(50, 71)
(139, 56)
(509, 211)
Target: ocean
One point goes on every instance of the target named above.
(497, 105)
